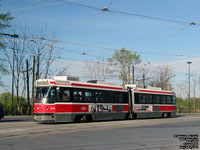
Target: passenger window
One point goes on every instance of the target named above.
(157, 99)
(173, 99)
(63, 95)
(118, 97)
(89, 96)
(99, 96)
(163, 99)
(142, 99)
(125, 97)
(109, 97)
(169, 99)
(149, 99)
(136, 98)
(78, 96)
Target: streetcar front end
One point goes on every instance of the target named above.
(44, 102)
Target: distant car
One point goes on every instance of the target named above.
(1, 111)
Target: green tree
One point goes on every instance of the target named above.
(5, 100)
(3, 71)
(124, 59)
(5, 19)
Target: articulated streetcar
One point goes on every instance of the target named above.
(65, 99)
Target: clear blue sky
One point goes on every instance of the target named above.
(78, 24)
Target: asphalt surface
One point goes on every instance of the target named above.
(21, 133)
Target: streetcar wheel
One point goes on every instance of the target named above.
(166, 115)
(77, 119)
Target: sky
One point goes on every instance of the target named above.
(160, 31)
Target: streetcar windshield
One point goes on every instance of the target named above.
(45, 95)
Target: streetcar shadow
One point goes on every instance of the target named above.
(16, 119)
(117, 120)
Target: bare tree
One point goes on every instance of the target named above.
(143, 77)
(99, 70)
(161, 76)
(43, 49)
(194, 89)
(181, 89)
(17, 50)
(62, 72)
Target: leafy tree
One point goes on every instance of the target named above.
(3, 71)
(124, 59)
(5, 19)
(5, 100)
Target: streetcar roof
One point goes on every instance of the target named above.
(101, 85)
(68, 83)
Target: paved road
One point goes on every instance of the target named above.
(21, 133)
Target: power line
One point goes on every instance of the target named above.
(113, 49)
(36, 6)
(101, 47)
(126, 13)
(106, 48)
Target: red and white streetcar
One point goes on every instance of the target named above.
(65, 99)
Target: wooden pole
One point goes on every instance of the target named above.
(33, 84)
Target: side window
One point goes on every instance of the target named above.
(142, 99)
(77, 95)
(149, 99)
(63, 95)
(136, 98)
(125, 97)
(163, 99)
(89, 98)
(118, 97)
(109, 97)
(173, 99)
(169, 99)
(157, 99)
(99, 96)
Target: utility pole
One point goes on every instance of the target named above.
(13, 68)
(133, 71)
(27, 84)
(38, 67)
(33, 84)
(189, 62)
(143, 79)
(13, 80)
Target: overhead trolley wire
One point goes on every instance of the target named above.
(113, 49)
(106, 48)
(126, 13)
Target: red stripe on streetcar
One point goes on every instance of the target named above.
(60, 108)
(52, 82)
(114, 108)
(96, 86)
(167, 108)
(125, 108)
(160, 92)
(40, 108)
(71, 108)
